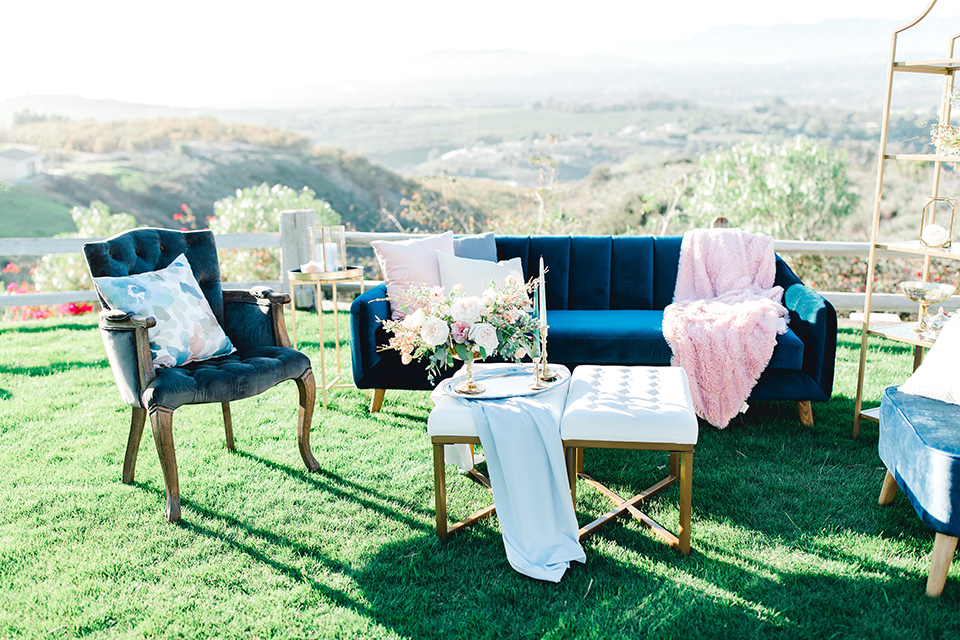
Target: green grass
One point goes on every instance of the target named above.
(788, 539)
(27, 212)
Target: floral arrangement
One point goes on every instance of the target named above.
(446, 326)
(945, 136)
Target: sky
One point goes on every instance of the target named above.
(210, 54)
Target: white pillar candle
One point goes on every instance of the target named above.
(331, 256)
(543, 296)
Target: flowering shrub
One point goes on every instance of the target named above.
(446, 326)
(257, 209)
(14, 313)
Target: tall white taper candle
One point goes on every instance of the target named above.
(543, 296)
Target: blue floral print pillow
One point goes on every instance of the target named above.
(186, 328)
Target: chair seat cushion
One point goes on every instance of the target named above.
(233, 377)
(629, 404)
(920, 446)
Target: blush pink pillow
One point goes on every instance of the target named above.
(409, 263)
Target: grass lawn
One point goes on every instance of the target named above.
(788, 539)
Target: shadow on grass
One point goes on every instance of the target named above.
(347, 489)
(51, 368)
(74, 326)
(5, 395)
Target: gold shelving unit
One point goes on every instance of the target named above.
(946, 68)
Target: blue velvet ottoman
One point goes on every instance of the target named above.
(920, 446)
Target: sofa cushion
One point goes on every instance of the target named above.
(630, 336)
(607, 337)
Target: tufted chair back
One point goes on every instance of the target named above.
(142, 250)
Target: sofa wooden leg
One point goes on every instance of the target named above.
(307, 387)
(137, 421)
(806, 413)
(889, 489)
(943, 548)
(162, 422)
(228, 426)
(377, 400)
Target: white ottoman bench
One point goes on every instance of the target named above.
(616, 407)
(451, 422)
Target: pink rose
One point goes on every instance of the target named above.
(406, 358)
(520, 354)
(459, 331)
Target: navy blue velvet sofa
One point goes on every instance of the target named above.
(605, 298)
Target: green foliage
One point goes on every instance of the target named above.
(797, 189)
(257, 209)
(68, 271)
(141, 135)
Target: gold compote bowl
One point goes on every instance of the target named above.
(926, 294)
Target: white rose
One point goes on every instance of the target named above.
(489, 298)
(466, 309)
(434, 332)
(484, 335)
(414, 320)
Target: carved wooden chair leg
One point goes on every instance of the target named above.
(943, 548)
(889, 489)
(137, 421)
(162, 422)
(307, 387)
(377, 400)
(805, 409)
(228, 426)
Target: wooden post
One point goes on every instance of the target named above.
(720, 222)
(295, 250)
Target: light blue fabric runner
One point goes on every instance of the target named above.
(521, 442)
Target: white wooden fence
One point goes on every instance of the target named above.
(293, 243)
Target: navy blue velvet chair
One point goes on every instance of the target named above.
(606, 296)
(920, 446)
(253, 320)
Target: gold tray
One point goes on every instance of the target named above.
(347, 273)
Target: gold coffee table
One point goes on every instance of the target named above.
(318, 279)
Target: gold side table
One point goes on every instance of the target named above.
(317, 279)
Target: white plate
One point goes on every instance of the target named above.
(506, 382)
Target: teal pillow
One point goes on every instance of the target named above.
(482, 246)
(186, 328)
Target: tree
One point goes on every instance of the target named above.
(798, 189)
(257, 209)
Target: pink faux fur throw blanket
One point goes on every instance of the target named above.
(725, 317)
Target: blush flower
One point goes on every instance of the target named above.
(434, 332)
(466, 309)
(485, 336)
(460, 331)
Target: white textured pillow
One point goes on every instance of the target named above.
(409, 263)
(475, 276)
(937, 377)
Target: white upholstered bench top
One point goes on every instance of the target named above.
(629, 404)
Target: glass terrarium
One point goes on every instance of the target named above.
(328, 247)
(936, 223)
